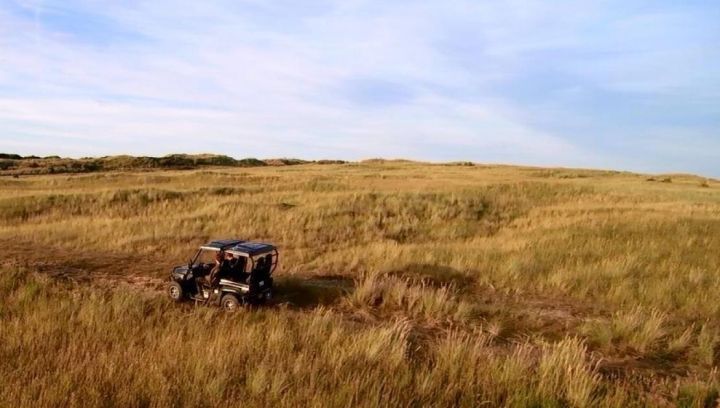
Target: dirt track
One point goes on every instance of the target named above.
(111, 270)
(101, 268)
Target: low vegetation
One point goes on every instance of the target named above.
(16, 165)
(400, 284)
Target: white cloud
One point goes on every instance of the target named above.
(265, 79)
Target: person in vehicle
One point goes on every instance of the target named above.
(208, 281)
(237, 269)
(220, 269)
(260, 266)
(227, 270)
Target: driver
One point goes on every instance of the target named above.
(228, 268)
(220, 266)
(207, 280)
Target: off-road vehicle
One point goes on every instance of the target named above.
(245, 279)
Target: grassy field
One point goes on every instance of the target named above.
(400, 284)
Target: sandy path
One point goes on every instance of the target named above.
(96, 267)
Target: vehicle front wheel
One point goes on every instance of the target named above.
(176, 291)
(230, 302)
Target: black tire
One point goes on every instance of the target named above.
(176, 292)
(230, 302)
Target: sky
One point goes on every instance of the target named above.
(616, 84)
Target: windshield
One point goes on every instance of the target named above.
(206, 256)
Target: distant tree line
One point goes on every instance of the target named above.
(19, 165)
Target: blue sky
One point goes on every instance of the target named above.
(631, 85)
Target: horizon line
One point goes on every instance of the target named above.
(17, 156)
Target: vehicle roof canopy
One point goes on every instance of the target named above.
(239, 247)
(222, 243)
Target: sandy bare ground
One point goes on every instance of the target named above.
(102, 268)
(112, 269)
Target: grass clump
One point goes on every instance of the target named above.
(565, 372)
(391, 294)
(708, 346)
(632, 331)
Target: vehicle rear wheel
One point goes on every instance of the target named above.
(176, 291)
(230, 302)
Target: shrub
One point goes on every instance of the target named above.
(7, 164)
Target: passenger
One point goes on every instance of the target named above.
(237, 269)
(260, 266)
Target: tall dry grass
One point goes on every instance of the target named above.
(401, 284)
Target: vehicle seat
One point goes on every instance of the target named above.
(268, 265)
(238, 273)
(257, 273)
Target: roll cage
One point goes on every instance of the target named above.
(249, 250)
